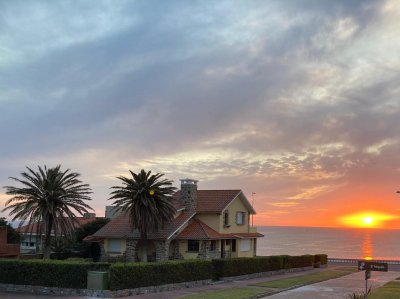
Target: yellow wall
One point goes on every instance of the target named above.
(235, 206)
(249, 253)
(183, 250)
(212, 220)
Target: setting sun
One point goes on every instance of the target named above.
(366, 219)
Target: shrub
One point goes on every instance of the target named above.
(321, 258)
(243, 266)
(48, 273)
(135, 275)
(290, 262)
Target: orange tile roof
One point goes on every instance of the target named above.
(119, 227)
(198, 230)
(213, 201)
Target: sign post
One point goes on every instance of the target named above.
(369, 266)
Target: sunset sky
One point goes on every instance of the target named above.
(297, 101)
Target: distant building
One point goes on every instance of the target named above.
(7, 250)
(112, 212)
(31, 240)
(208, 224)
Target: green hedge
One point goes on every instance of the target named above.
(321, 258)
(49, 273)
(135, 275)
(243, 266)
(73, 274)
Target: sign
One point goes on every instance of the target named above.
(367, 274)
(373, 266)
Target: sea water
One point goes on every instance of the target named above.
(336, 242)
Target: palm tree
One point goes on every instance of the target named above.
(148, 202)
(48, 197)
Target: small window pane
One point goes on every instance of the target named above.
(193, 245)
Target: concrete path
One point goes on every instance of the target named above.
(338, 288)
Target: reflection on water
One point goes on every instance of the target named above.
(367, 247)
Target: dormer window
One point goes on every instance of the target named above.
(240, 218)
(226, 219)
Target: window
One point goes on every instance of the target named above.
(226, 219)
(245, 245)
(193, 245)
(213, 245)
(240, 218)
(114, 245)
(233, 245)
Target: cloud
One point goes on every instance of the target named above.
(293, 100)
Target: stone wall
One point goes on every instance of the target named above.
(131, 250)
(162, 248)
(205, 253)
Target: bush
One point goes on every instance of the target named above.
(243, 266)
(135, 275)
(321, 258)
(301, 261)
(48, 273)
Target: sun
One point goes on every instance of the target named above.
(366, 219)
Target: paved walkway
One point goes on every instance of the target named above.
(335, 288)
(338, 288)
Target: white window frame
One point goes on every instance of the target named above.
(240, 218)
(114, 246)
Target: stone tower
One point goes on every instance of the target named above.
(189, 193)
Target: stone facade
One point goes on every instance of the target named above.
(189, 193)
(131, 250)
(162, 248)
(205, 252)
(174, 253)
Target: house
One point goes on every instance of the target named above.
(208, 224)
(7, 250)
(30, 238)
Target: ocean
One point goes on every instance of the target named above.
(336, 242)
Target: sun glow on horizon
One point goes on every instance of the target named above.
(367, 219)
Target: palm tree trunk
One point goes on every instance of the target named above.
(144, 246)
(47, 240)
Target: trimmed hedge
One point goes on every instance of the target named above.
(73, 274)
(135, 275)
(48, 273)
(244, 266)
(321, 258)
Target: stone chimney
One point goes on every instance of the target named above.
(189, 193)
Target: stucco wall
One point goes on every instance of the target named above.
(183, 250)
(212, 220)
(235, 206)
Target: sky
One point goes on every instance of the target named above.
(296, 101)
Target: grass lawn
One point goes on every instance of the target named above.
(233, 293)
(265, 288)
(391, 290)
(307, 279)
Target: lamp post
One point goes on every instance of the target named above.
(252, 204)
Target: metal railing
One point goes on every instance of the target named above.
(343, 260)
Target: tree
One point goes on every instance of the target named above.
(48, 197)
(12, 236)
(91, 250)
(148, 201)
